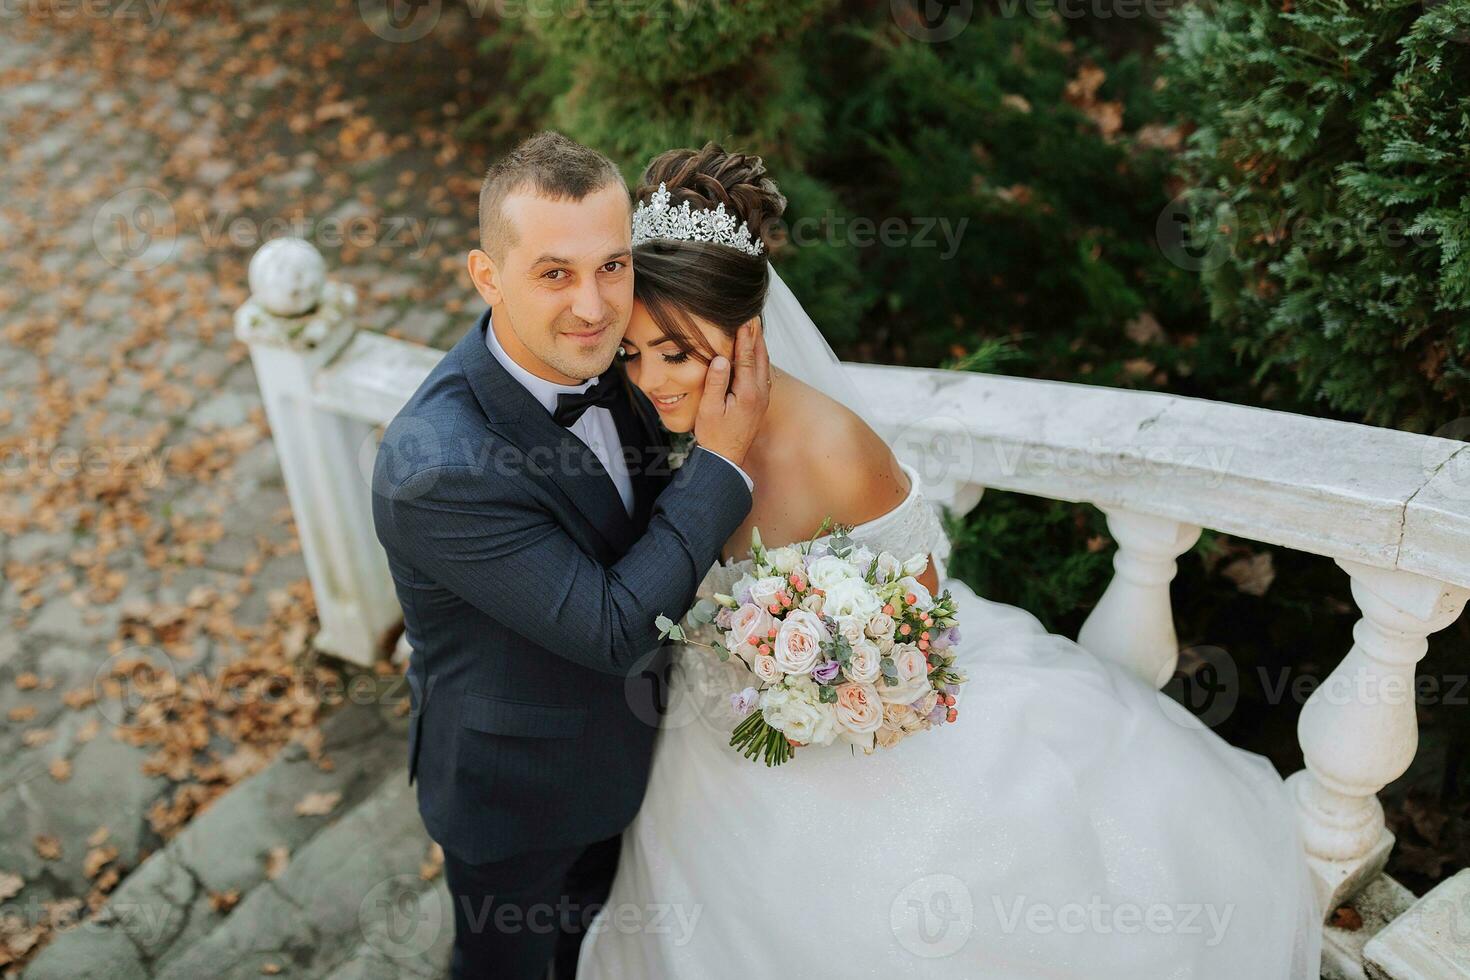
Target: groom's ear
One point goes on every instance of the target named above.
(485, 274)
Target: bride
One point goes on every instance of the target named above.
(1073, 822)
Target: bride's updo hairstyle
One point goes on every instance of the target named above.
(721, 285)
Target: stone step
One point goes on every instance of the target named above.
(1431, 941)
(1378, 905)
(351, 903)
(170, 902)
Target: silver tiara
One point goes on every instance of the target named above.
(656, 219)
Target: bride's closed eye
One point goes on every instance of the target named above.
(625, 355)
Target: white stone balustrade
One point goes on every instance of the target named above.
(295, 323)
(1359, 729)
(1392, 508)
(1133, 623)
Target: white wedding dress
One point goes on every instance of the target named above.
(1073, 823)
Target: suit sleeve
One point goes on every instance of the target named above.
(500, 552)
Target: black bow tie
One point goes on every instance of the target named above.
(571, 405)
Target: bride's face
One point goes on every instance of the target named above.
(672, 379)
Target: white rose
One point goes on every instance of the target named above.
(827, 571)
(766, 669)
(913, 676)
(797, 717)
(884, 644)
(880, 624)
(921, 594)
(863, 666)
(798, 642)
(851, 597)
(784, 560)
(763, 590)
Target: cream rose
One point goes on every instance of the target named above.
(765, 668)
(850, 628)
(880, 624)
(798, 642)
(913, 675)
(812, 604)
(858, 708)
(863, 666)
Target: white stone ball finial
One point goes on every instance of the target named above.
(287, 276)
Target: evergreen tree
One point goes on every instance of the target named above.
(1332, 159)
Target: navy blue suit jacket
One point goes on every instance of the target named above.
(529, 598)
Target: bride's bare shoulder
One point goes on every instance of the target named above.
(860, 477)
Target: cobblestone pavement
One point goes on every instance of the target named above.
(153, 586)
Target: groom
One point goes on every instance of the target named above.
(535, 532)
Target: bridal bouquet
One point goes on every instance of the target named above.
(838, 643)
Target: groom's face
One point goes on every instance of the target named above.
(562, 291)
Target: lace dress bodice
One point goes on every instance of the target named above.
(913, 527)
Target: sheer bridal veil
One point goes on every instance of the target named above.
(798, 348)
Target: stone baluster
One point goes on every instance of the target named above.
(1133, 622)
(1359, 729)
(294, 323)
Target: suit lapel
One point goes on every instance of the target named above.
(645, 444)
(552, 455)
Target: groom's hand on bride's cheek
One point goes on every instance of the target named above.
(731, 409)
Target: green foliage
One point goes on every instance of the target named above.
(1331, 146)
(1008, 134)
(1051, 558)
(669, 44)
(1049, 150)
(643, 78)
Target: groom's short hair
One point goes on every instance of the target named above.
(550, 164)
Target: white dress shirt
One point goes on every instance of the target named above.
(595, 428)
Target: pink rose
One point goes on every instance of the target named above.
(858, 708)
(750, 620)
(798, 642)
